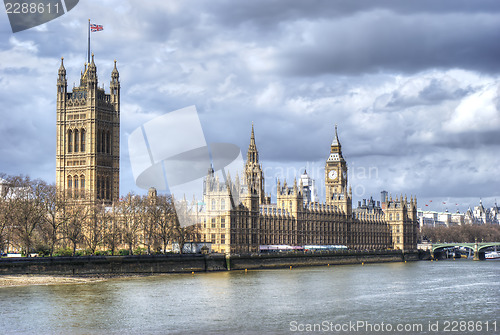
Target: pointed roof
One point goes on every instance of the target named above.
(115, 71)
(92, 68)
(336, 141)
(252, 148)
(62, 69)
(252, 137)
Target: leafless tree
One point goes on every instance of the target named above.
(27, 210)
(164, 217)
(130, 218)
(94, 227)
(75, 215)
(111, 230)
(54, 204)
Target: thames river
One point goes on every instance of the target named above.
(445, 297)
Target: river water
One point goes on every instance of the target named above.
(424, 297)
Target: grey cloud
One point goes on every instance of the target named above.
(437, 91)
(381, 41)
(329, 58)
(268, 14)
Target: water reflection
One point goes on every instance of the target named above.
(258, 302)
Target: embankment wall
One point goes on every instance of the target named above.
(152, 264)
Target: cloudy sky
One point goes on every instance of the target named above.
(413, 86)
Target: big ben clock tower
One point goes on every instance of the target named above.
(336, 177)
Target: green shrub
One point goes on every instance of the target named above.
(123, 252)
(63, 252)
(42, 249)
(140, 251)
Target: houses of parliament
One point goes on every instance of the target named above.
(237, 215)
(293, 220)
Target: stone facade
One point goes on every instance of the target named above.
(252, 221)
(88, 137)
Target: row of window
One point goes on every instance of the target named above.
(103, 188)
(222, 205)
(390, 216)
(77, 138)
(104, 141)
(213, 238)
(76, 182)
(103, 185)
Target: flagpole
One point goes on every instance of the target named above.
(88, 50)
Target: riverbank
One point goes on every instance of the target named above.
(80, 270)
(99, 266)
(29, 280)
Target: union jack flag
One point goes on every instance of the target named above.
(95, 27)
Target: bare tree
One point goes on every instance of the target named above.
(75, 215)
(165, 218)
(94, 227)
(54, 205)
(461, 234)
(111, 230)
(26, 210)
(4, 223)
(128, 210)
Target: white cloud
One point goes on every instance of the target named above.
(272, 95)
(476, 112)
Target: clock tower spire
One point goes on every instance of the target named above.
(336, 181)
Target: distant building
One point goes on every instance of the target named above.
(310, 193)
(4, 187)
(478, 215)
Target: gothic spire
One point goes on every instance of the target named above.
(252, 154)
(114, 73)
(252, 137)
(336, 141)
(62, 69)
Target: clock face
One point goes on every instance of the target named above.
(332, 174)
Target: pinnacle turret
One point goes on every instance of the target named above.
(336, 141)
(114, 74)
(62, 69)
(252, 153)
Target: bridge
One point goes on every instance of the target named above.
(476, 247)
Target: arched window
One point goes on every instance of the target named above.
(108, 193)
(70, 141)
(103, 189)
(108, 143)
(75, 184)
(82, 182)
(82, 141)
(213, 204)
(77, 134)
(98, 188)
(70, 182)
(98, 141)
(103, 141)
(397, 216)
